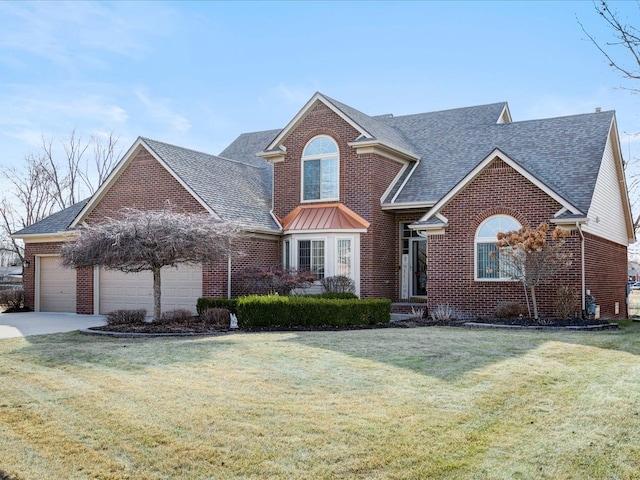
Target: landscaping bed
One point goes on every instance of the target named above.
(197, 327)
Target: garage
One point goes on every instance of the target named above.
(181, 288)
(57, 286)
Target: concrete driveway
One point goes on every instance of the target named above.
(38, 323)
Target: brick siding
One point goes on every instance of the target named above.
(497, 190)
(606, 275)
(363, 180)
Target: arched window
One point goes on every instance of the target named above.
(487, 254)
(320, 170)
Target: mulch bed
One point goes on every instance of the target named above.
(198, 328)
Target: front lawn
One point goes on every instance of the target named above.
(445, 403)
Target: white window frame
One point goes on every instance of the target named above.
(337, 252)
(320, 157)
(490, 240)
(330, 253)
(313, 241)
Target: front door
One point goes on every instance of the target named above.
(418, 267)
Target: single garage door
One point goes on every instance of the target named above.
(181, 288)
(57, 286)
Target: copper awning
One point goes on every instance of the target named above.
(323, 216)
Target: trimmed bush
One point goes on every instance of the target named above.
(121, 317)
(12, 299)
(338, 284)
(510, 310)
(180, 315)
(335, 295)
(301, 311)
(205, 303)
(218, 317)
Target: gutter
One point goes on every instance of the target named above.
(582, 268)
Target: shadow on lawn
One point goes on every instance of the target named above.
(124, 354)
(449, 353)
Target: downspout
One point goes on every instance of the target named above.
(582, 268)
(229, 275)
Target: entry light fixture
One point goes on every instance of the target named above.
(26, 263)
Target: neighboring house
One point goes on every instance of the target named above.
(407, 206)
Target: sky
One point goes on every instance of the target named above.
(198, 74)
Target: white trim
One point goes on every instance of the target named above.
(393, 200)
(480, 167)
(325, 230)
(325, 156)
(96, 290)
(47, 237)
(505, 115)
(375, 146)
(407, 205)
(484, 241)
(120, 168)
(303, 113)
(393, 183)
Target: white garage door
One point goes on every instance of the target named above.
(181, 288)
(57, 286)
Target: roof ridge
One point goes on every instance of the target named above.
(446, 110)
(562, 117)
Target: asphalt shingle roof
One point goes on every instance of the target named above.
(564, 153)
(56, 222)
(235, 190)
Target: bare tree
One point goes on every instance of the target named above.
(45, 183)
(529, 256)
(623, 51)
(139, 241)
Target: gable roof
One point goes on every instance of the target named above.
(563, 153)
(371, 130)
(440, 151)
(54, 223)
(234, 190)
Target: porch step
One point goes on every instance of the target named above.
(399, 317)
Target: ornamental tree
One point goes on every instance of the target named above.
(532, 256)
(136, 241)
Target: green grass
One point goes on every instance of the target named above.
(419, 403)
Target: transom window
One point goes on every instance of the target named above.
(320, 170)
(488, 265)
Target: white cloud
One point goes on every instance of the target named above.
(70, 33)
(159, 109)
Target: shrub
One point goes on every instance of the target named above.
(218, 317)
(12, 299)
(510, 310)
(442, 313)
(120, 317)
(334, 295)
(205, 303)
(278, 280)
(567, 302)
(338, 284)
(180, 315)
(302, 311)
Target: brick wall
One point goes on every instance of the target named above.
(363, 180)
(497, 190)
(29, 275)
(606, 274)
(145, 185)
(250, 253)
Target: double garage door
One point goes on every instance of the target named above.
(115, 290)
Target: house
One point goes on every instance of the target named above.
(407, 206)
